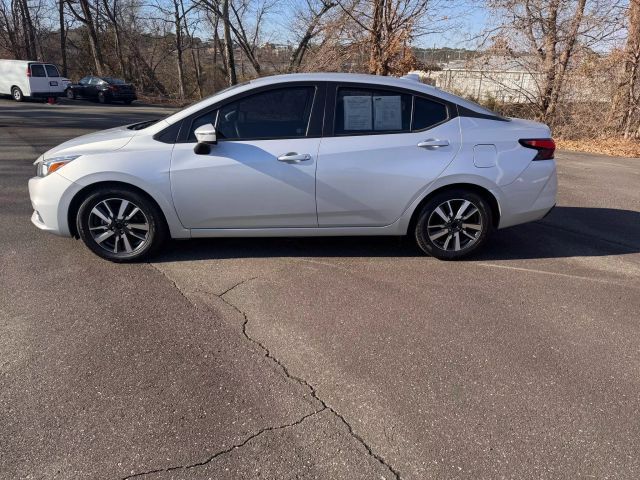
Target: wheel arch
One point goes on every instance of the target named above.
(485, 193)
(82, 194)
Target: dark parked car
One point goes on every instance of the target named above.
(102, 89)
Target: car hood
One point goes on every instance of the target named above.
(98, 142)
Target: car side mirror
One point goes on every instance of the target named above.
(206, 136)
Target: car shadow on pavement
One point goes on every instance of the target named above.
(565, 232)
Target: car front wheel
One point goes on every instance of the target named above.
(120, 225)
(70, 94)
(102, 98)
(453, 224)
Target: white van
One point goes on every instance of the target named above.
(27, 79)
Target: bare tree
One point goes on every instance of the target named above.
(311, 21)
(111, 9)
(228, 44)
(545, 35)
(63, 37)
(88, 18)
(625, 107)
(17, 30)
(390, 26)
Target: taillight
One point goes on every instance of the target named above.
(28, 70)
(545, 147)
(113, 88)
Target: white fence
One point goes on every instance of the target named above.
(516, 86)
(503, 86)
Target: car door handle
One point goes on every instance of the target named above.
(433, 143)
(293, 157)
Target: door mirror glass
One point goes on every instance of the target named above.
(206, 134)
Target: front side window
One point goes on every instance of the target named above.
(84, 81)
(281, 113)
(367, 111)
(52, 71)
(37, 70)
(95, 81)
(427, 113)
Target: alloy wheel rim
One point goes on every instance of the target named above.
(455, 225)
(119, 226)
(16, 94)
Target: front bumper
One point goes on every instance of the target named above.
(50, 199)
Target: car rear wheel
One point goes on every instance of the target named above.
(120, 225)
(17, 95)
(453, 224)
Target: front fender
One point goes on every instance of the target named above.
(161, 196)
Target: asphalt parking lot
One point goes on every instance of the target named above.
(339, 358)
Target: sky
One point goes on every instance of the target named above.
(461, 20)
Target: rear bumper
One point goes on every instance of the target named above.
(531, 196)
(122, 96)
(46, 94)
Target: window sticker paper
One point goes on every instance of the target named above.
(387, 112)
(357, 112)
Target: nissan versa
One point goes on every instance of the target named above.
(301, 155)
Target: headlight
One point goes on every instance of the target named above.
(50, 165)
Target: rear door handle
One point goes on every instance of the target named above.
(433, 143)
(293, 157)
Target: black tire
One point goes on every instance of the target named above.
(102, 98)
(90, 225)
(17, 94)
(450, 239)
(128, 102)
(70, 94)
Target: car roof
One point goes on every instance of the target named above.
(26, 62)
(407, 83)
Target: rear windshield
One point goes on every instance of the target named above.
(52, 71)
(114, 81)
(37, 70)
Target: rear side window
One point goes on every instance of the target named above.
(364, 111)
(427, 113)
(52, 71)
(281, 113)
(37, 70)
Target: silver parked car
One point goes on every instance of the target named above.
(302, 155)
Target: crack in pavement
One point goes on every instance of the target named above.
(288, 374)
(226, 450)
(303, 382)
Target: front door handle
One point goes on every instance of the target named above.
(433, 143)
(293, 157)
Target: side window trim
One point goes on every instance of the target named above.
(314, 127)
(332, 99)
(372, 87)
(450, 109)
